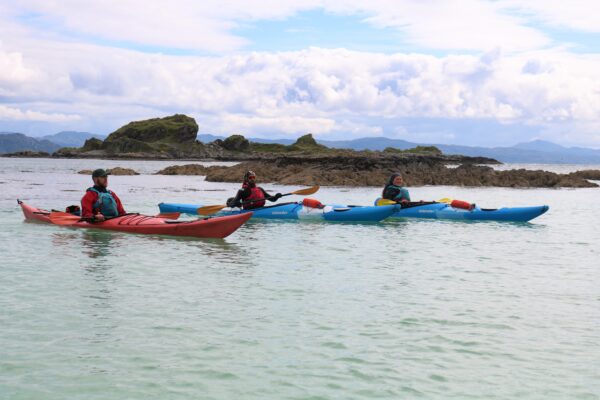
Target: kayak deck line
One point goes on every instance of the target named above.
(212, 227)
(297, 211)
(446, 211)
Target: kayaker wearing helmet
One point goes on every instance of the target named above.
(394, 190)
(99, 203)
(251, 196)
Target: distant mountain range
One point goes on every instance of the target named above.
(11, 142)
(537, 151)
(71, 138)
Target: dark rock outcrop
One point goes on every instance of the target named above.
(591, 174)
(92, 144)
(418, 170)
(235, 143)
(27, 154)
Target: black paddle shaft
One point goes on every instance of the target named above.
(257, 200)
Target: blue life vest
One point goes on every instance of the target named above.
(106, 203)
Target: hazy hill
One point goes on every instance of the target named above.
(537, 151)
(11, 142)
(71, 138)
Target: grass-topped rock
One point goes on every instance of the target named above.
(157, 138)
(304, 144)
(177, 128)
(235, 143)
(415, 150)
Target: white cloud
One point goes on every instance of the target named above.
(583, 15)
(282, 125)
(324, 91)
(10, 113)
(312, 90)
(463, 24)
(208, 25)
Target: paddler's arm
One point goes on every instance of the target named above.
(87, 204)
(239, 197)
(404, 195)
(269, 197)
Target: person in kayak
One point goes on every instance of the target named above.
(251, 196)
(394, 190)
(99, 203)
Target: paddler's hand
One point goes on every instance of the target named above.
(404, 202)
(99, 217)
(277, 196)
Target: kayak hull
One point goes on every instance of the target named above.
(445, 211)
(297, 211)
(218, 227)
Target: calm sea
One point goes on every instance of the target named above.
(288, 310)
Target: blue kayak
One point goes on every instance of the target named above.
(297, 210)
(446, 211)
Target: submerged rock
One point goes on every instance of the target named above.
(187, 169)
(112, 171)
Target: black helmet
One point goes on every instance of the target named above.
(99, 172)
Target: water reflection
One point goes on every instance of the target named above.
(97, 243)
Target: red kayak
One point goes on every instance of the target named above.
(217, 227)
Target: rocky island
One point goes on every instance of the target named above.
(306, 162)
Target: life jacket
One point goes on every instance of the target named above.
(106, 203)
(256, 193)
(391, 192)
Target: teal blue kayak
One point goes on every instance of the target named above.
(298, 211)
(446, 211)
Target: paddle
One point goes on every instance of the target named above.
(63, 218)
(208, 210)
(386, 202)
(454, 203)
(169, 215)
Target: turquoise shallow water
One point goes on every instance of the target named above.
(288, 310)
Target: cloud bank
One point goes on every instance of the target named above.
(101, 66)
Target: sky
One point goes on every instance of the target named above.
(470, 72)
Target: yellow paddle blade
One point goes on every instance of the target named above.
(307, 191)
(385, 202)
(446, 200)
(208, 210)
